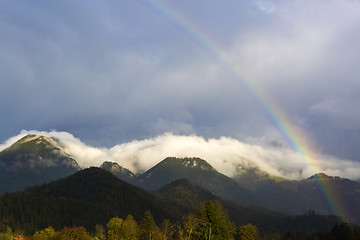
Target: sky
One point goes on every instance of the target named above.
(113, 72)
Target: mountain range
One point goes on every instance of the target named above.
(37, 159)
(92, 196)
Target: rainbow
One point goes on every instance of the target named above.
(296, 137)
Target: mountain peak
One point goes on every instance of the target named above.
(171, 169)
(35, 159)
(119, 171)
(194, 162)
(28, 137)
(34, 143)
(37, 151)
(112, 166)
(319, 176)
(324, 177)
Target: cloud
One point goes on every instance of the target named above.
(343, 113)
(225, 154)
(301, 48)
(111, 72)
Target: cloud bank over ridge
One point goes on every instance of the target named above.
(225, 154)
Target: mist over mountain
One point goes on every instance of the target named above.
(224, 154)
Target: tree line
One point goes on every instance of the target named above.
(209, 222)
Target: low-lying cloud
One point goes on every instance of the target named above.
(225, 154)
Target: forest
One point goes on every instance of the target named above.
(208, 222)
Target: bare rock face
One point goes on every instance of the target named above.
(119, 171)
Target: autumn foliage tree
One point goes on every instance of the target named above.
(7, 233)
(129, 229)
(100, 232)
(74, 233)
(114, 228)
(46, 234)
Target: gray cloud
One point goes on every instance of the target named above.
(113, 72)
(342, 113)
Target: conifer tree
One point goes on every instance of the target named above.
(166, 229)
(213, 221)
(147, 227)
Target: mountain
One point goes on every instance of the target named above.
(32, 160)
(251, 177)
(316, 192)
(260, 188)
(93, 196)
(88, 197)
(100, 187)
(119, 171)
(191, 195)
(37, 159)
(185, 193)
(198, 171)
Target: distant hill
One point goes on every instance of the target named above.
(268, 221)
(32, 160)
(312, 193)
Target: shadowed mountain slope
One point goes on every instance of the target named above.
(92, 196)
(116, 197)
(315, 193)
(268, 221)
